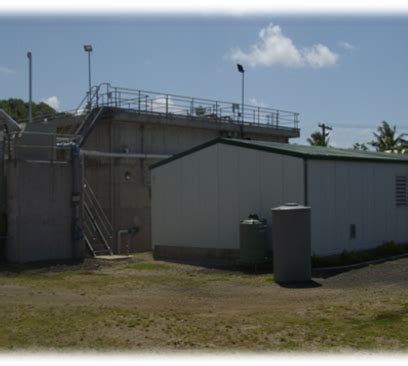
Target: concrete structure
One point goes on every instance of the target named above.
(40, 199)
(128, 130)
(358, 199)
(292, 260)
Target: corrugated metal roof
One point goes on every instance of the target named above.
(301, 151)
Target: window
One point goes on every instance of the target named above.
(401, 190)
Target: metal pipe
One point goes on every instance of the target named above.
(119, 240)
(122, 155)
(76, 229)
(30, 85)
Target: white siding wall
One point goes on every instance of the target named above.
(343, 193)
(198, 200)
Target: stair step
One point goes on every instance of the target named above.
(99, 231)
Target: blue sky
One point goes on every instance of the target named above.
(350, 72)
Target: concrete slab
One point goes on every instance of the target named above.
(113, 257)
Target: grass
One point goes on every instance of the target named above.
(148, 266)
(140, 305)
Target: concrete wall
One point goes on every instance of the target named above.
(128, 202)
(344, 193)
(38, 210)
(199, 199)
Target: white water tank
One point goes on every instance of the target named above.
(291, 243)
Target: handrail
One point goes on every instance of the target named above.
(172, 104)
(143, 101)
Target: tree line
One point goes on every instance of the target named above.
(385, 139)
(18, 109)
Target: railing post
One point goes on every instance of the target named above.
(139, 101)
(254, 115)
(216, 110)
(259, 112)
(277, 118)
(192, 107)
(167, 104)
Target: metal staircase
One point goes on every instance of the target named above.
(98, 231)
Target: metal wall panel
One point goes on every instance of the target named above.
(199, 199)
(359, 193)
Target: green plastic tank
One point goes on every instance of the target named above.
(253, 240)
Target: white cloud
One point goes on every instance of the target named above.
(256, 102)
(320, 56)
(53, 102)
(274, 48)
(346, 46)
(158, 104)
(5, 71)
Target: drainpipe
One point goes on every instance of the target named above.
(120, 233)
(131, 231)
(76, 223)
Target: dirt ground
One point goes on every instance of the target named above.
(139, 305)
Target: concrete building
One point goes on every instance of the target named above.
(41, 200)
(123, 131)
(358, 199)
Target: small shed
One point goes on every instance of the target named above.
(358, 199)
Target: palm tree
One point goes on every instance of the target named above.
(317, 139)
(361, 146)
(386, 139)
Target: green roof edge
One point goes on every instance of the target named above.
(251, 144)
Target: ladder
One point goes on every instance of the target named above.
(98, 231)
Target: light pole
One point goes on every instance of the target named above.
(88, 48)
(30, 88)
(242, 71)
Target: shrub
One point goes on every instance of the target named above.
(388, 249)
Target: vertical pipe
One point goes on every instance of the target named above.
(76, 228)
(30, 88)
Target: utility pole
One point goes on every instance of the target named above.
(242, 71)
(88, 48)
(325, 134)
(30, 87)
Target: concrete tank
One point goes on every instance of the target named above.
(253, 241)
(291, 243)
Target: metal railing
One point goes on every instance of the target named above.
(15, 147)
(143, 101)
(98, 230)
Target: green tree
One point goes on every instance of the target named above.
(386, 138)
(18, 109)
(317, 139)
(360, 146)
